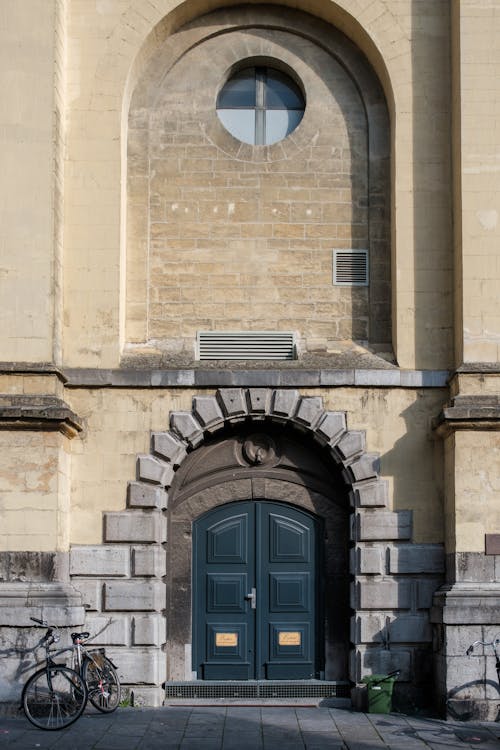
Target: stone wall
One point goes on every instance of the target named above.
(393, 579)
(227, 236)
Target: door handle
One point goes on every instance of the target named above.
(252, 598)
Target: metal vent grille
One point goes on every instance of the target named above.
(350, 267)
(282, 689)
(245, 345)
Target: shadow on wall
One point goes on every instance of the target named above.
(415, 463)
(432, 185)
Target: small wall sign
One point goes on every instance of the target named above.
(226, 639)
(289, 638)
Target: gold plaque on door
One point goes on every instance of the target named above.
(226, 639)
(289, 638)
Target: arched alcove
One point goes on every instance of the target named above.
(271, 464)
(226, 236)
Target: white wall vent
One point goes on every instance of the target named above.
(245, 345)
(350, 267)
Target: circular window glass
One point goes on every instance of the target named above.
(260, 105)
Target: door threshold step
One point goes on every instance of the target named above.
(344, 703)
(257, 689)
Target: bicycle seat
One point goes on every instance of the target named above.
(79, 637)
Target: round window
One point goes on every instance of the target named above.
(260, 105)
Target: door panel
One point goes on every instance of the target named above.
(227, 541)
(255, 593)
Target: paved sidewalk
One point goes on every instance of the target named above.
(249, 728)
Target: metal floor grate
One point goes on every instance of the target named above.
(264, 689)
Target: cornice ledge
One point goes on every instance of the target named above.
(469, 413)
(44, 413)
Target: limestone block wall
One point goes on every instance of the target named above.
(124, 598)
(109, 48)
(28, 284)
(123, 581)
(119, 422)
(466, 609)
(227, 236)
(475, 28)
(35, 497)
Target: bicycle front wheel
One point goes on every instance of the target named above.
(102, 682)
(54, 697)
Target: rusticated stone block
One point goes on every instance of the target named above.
(129, 596)
(366, 661)
(351, 444)
(91, 591)
(187, 427)
(108, 631)
(151, 469)
(169, 447)
(285, 403)
(57, 602)
(232, 401)
(416, 558)
(99, 561)
(148, 630)
(372, 494)
(144, 495)
(383, 595)
(208, 412)
(138, 665)
(259, 400)
(331, 427)
(148, 696)
(309, 411)
(383, 524)
(367, 627)
(133, 526)
(369, 560)
(149, 561)
(410, 629)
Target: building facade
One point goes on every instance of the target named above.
(250, 342)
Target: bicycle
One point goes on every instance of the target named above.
(495, 645)
(56, 695)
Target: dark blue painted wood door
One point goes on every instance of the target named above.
(255, 593)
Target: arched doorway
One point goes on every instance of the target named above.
(258, 581)
(256, 593)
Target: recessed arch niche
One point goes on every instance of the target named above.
(222, 235)
(265, 463)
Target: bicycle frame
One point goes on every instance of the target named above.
(495, 646)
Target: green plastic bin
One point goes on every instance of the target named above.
(379, 688)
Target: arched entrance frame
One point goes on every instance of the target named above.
(292, 475)
(124, 581)
(238, 407)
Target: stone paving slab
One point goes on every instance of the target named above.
(250, 728)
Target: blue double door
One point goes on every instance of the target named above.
(256, 602)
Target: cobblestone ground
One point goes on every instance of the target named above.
(250, 728)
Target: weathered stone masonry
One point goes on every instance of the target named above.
(393, 579)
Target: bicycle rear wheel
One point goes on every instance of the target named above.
(54, 697)
(102, 682)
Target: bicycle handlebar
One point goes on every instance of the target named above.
(495, 643)
(50, 636)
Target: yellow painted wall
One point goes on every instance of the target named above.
(477, 178)
(27, 181)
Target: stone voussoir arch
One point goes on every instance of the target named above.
(393, 579)
(212, 413)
